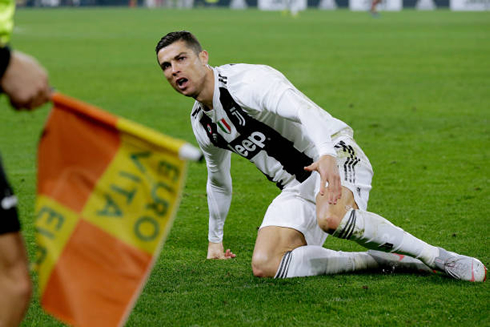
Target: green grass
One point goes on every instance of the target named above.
(415, 86)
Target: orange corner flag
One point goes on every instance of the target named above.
(108, 190)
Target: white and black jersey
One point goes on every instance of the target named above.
(258, 114)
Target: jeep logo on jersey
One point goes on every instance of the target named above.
(249, 146)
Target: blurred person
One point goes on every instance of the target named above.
(324, 176)
(373, 9)
(26, 85)
(294, 7)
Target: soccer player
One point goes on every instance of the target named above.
(325, 177)
(25, 82)
(373, 10)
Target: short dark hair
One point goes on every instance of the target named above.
(190, 40)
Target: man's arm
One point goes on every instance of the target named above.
(219, 190)
(316, 123)
(22, 78)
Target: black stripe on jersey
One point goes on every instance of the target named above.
(350, 162)
(278, 184)
(222, 79)
(195, 112)
(256, 136)
(212, 132)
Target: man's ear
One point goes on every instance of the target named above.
(204, 57)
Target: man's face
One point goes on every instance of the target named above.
(183, 68)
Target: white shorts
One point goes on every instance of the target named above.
(295, 207)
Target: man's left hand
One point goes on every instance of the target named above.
(326, 166)
(216, 251)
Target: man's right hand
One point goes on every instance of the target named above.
(216, 251)
(25, 82)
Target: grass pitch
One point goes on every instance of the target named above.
(414, 86)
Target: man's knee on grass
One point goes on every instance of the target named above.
(264, 265)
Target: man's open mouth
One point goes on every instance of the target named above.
(182, 81)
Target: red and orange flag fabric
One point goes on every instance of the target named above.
(108, 190)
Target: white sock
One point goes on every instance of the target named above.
(375, 232)
(312, 260)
